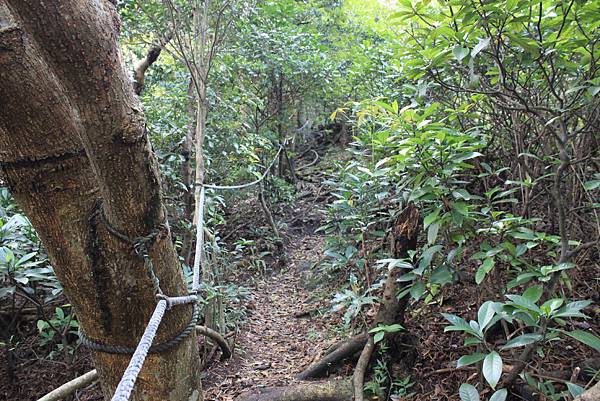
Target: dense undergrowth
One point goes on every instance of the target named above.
(484, 116)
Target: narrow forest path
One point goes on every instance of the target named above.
(283, 332)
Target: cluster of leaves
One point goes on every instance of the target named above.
(478, 84)
(27, 279)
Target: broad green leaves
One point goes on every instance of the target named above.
(468, 392)
(492, 368)
(586, 338)
(381, 330)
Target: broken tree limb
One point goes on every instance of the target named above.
(335, 390)
(320, 368)
(70, 387)
(358, 379)
(139, 71)
(218, 338)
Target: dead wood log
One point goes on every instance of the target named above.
(139, 71)
(335, 390)
(330, 361)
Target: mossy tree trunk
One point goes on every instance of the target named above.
(73, 149)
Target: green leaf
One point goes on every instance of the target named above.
(484, 269)
(572, 309)
(575, 389)
(492, 368)
(442, 275)
(533, 293)
(524, 303)
(529, 45)
(485, 314)
(458, 324)
(523, 339)
(469, 359)
(432, 233)
(585, 337)
(417, 290)
(468, 392)
(428, 256)
(460, 52)
(462, 194)
(431, 217)
(42, 325)
(378, 336)
(591, 185)
(499, 395)
(462, 208)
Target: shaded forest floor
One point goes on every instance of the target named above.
(284, 329)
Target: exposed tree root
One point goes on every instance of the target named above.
(70, 387)
(335, 390)
(344, 351)
(218, 338)
(358, 379)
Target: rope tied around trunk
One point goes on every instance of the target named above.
(99, 346)
(140, 245)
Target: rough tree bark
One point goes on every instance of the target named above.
(77, 159)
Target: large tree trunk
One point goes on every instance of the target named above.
(77, 159)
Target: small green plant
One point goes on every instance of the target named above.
(60, 329)
(541, 325)
(352, 300)
(384, 386)
(382, 329)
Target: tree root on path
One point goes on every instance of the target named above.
(216, 337)
(358, 379)
(405, 231)
(333, 359)
(334, 390)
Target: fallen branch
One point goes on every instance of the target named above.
(70, 387)
(320, 368)
(335, 390)
(358, 378)
(218, 338)
(267, 211)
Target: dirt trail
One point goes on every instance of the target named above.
(274, 345)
